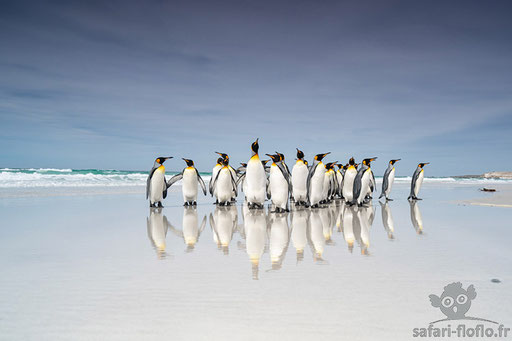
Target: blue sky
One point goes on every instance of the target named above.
(115, 84)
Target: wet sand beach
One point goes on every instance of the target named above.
(102, 265)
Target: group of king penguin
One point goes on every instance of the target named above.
(306, 185)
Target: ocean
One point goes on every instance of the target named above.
(66, 177)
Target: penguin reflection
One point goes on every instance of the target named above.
(387, 219)
(191, 229)
(300, 221)
(279, 238)
(316, 234)
(349, 215)
(223, 222)
(361, 229)
(416, 218)
(157, 225)
(326, 216)
(255, 227)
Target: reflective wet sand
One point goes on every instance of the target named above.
(108, 267)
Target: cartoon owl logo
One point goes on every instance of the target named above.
(455, 301)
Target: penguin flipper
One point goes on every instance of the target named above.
(385, 181)
(201, 182)
(174, 179)
(164, 194)
(374, 187)
(308, 181)
(234, 184)
(148, 182)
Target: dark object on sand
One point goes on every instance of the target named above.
(488, 190)
(495, 280)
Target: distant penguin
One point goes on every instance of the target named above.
(329, 187)
(299, 179)
(348, 180)
(417, 180)
(315, 181)
(255, 179)
(156, 186)
(191, 177)
(388, 179)
(224, 185)
(362, 182)
(279, 184)
(339, 180)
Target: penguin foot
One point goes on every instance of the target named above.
(160, 204)
(194, 203)
(152, 205)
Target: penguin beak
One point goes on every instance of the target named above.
(373, 159)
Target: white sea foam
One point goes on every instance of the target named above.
(54, 177)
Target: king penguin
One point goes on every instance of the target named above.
(339, 179)
(315, 181)
(215, 169)
(231, 169)
(224, 185)
(299, 179)
(362, 182)
(417, 180)
(156, 186)
(388, 179)
(255, 179)
(348, 180)
(279, 184)
(191, 177)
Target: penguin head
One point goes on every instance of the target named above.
(300, 154)
(161, 159)
(423, 164)
(346, 166)
(244, 164)
(356, 165)
(352, 162)
(367, 162)
(275, 157)
(189, 162)
(392, 162)
(340, 166)
(219, 161)
(224, 156)
(264, 162)
(306, 162)
(329, 165)
(255, 146)
(319, 157)
(281, 156)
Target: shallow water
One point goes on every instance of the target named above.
(105, 266)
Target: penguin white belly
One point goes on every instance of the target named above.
(299, 230)
(157, 185)
(189, 186)
(224, 186)
(256, 181)
(316, 190)
(339, 180)
(278, 187)
(365, 186)
(278, 237)
(391, 179)
(299, 181)
(348, 184)
(418, 184)
(326, 186)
